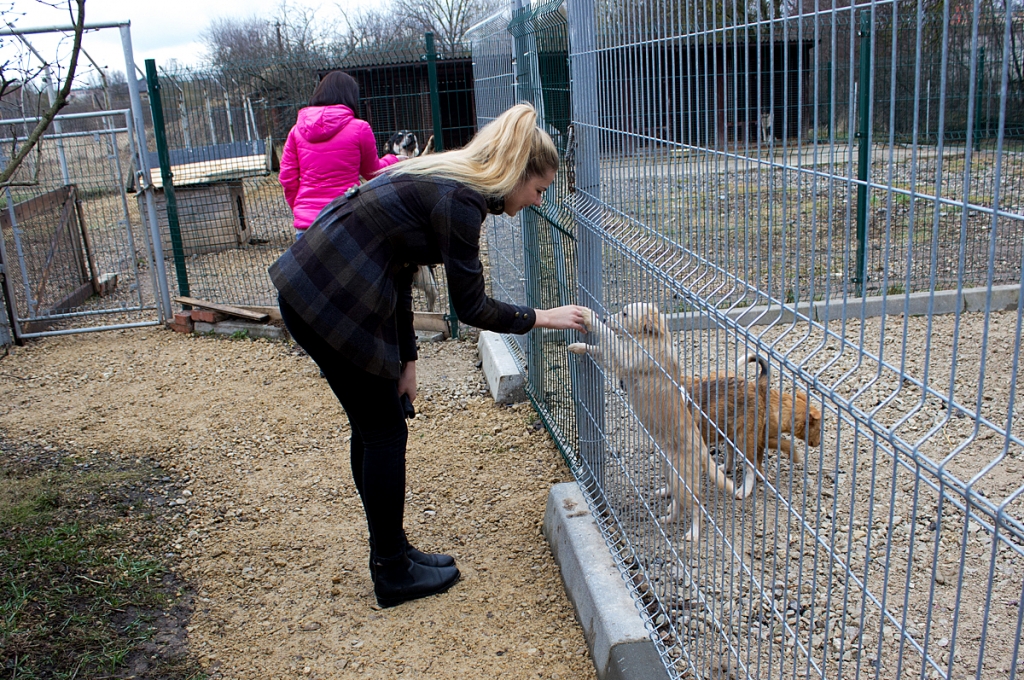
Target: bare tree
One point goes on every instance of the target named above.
(449, 20)
(376, 30)
(59, 101)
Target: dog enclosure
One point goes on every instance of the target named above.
(869, 248)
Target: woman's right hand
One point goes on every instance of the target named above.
(567, 317)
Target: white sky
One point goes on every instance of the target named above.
(161, 29)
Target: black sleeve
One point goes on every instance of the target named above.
(456, 219)
(403, 316)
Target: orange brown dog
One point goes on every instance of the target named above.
(639, 352)
(736, 409)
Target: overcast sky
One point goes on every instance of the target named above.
(161, 29)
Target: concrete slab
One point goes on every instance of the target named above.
(506, 383)
(252, 330)
(620, 645)
(1004, 298)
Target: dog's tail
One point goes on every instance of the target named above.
(764, 371)
(428, 148)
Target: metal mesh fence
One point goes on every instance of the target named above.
(837, 198)
(75, 248)
(225, 127)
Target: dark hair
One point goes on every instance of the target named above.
(337, 87)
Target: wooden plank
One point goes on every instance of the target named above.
(226, 309)
(40, 205)
(207, 172)
(273, 312)
(431, 321)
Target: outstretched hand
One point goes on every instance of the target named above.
(567, 317)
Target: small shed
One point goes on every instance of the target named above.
(210, 194)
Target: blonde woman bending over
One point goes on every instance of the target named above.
(345, 291)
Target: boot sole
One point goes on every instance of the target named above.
(387, 602)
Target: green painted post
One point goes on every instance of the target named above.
(979, 98)
(863, 152)
(165, 175)
(435, 94)
(435, 115)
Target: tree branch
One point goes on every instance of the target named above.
(57, 105)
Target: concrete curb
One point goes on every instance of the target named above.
(620, 645)
(252, 330)
(507, 384)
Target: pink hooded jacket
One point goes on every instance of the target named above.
(326, 152)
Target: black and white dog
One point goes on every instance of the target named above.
(403, 143)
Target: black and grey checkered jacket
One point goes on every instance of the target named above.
(350, 275)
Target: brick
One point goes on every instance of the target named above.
(184, 318)
(180, 328)
(208, 316)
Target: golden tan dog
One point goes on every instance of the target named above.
(640, 354)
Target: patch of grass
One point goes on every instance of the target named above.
(240, 335)
(79, 587)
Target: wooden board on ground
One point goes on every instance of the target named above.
(224, 309)
(431, 321)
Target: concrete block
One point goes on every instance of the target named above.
(252, 330)
(619, 643)
(507, 384)
(1004, 298)
(943, 301)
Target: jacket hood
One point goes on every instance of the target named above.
(320, 123)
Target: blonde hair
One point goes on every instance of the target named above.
(501, 156)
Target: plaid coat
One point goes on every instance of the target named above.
(350, 275)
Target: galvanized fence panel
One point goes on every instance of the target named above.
(75, 247)
(755, 173)
(225, 127)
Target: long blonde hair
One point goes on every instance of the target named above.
(502, 155)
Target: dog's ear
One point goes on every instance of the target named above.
(428, 147)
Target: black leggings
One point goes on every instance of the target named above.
(379, 433)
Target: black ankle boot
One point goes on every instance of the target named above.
(398, 579)
(426, 559)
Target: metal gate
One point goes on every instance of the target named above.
(75, 253)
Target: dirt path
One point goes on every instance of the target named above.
(266, 525)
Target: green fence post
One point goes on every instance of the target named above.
(435, 115)
(863, 155)
(979, 97)
(166, 177)
(435, 94)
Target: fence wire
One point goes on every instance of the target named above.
(834, 191)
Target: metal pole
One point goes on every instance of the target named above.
(435, 116)
(979, 98)
(51, 94)
(863, 151)
(165, 173)
(435, 95)
(828, 98)
(143, 181)
(209, 118)
(588, 383)
(227, 107)
(927, 109)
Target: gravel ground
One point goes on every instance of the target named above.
(267, 528)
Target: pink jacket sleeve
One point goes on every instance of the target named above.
(289, 175)
(369, 164)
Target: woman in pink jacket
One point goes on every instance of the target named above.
(328, 150)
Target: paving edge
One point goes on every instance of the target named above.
(507, 384)
(620, 645)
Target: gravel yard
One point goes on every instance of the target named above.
(261, 521)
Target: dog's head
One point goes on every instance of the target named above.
(403, 143)
(642, 318)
